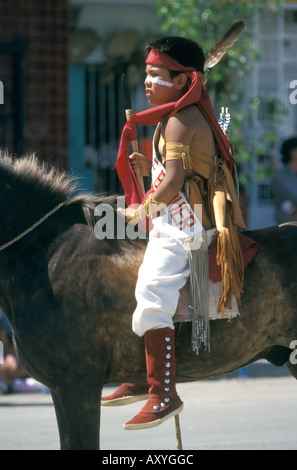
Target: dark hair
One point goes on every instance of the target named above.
(286, 149)
(185, 51)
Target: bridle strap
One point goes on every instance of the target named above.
(34, 226)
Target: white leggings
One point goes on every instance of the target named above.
(164, 271)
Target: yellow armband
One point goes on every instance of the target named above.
(148, 208)
(178, 151)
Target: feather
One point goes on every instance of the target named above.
(223, 44)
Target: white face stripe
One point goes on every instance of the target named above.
(158, 81)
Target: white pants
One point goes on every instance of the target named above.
(164, 271)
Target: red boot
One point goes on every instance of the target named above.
(127, 393)
(163, 402)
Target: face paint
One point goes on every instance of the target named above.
(158, 81)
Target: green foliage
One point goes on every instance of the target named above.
(205, 22)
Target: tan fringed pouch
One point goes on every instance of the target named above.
(228, 217)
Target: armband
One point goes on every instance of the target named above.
(178, 151)
(148, 208)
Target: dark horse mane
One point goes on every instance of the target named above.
(32, 170)
(52, 185)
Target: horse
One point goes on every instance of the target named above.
(69, 297)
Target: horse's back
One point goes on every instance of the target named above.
(267, 323)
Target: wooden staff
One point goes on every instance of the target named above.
(179, 445)
(134, 143)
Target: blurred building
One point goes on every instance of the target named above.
(34, 65)
(272, 82)
(119, 30)
(61, 64)
(108, 39)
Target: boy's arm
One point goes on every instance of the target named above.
(172, 182)
(177, 130)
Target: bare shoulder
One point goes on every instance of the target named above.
(182, 126)
(190, 127)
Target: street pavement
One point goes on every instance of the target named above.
(246, 411)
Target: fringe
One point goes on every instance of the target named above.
(229, 257)
(199, 305)
(227, 216)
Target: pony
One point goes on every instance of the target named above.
(69, 297)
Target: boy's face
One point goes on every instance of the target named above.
(159, 87)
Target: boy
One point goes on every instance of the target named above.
(188, 146)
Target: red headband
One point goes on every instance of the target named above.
(163, 60)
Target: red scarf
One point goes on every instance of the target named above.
(196, 94)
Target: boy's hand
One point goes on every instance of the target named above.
(139, 161)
